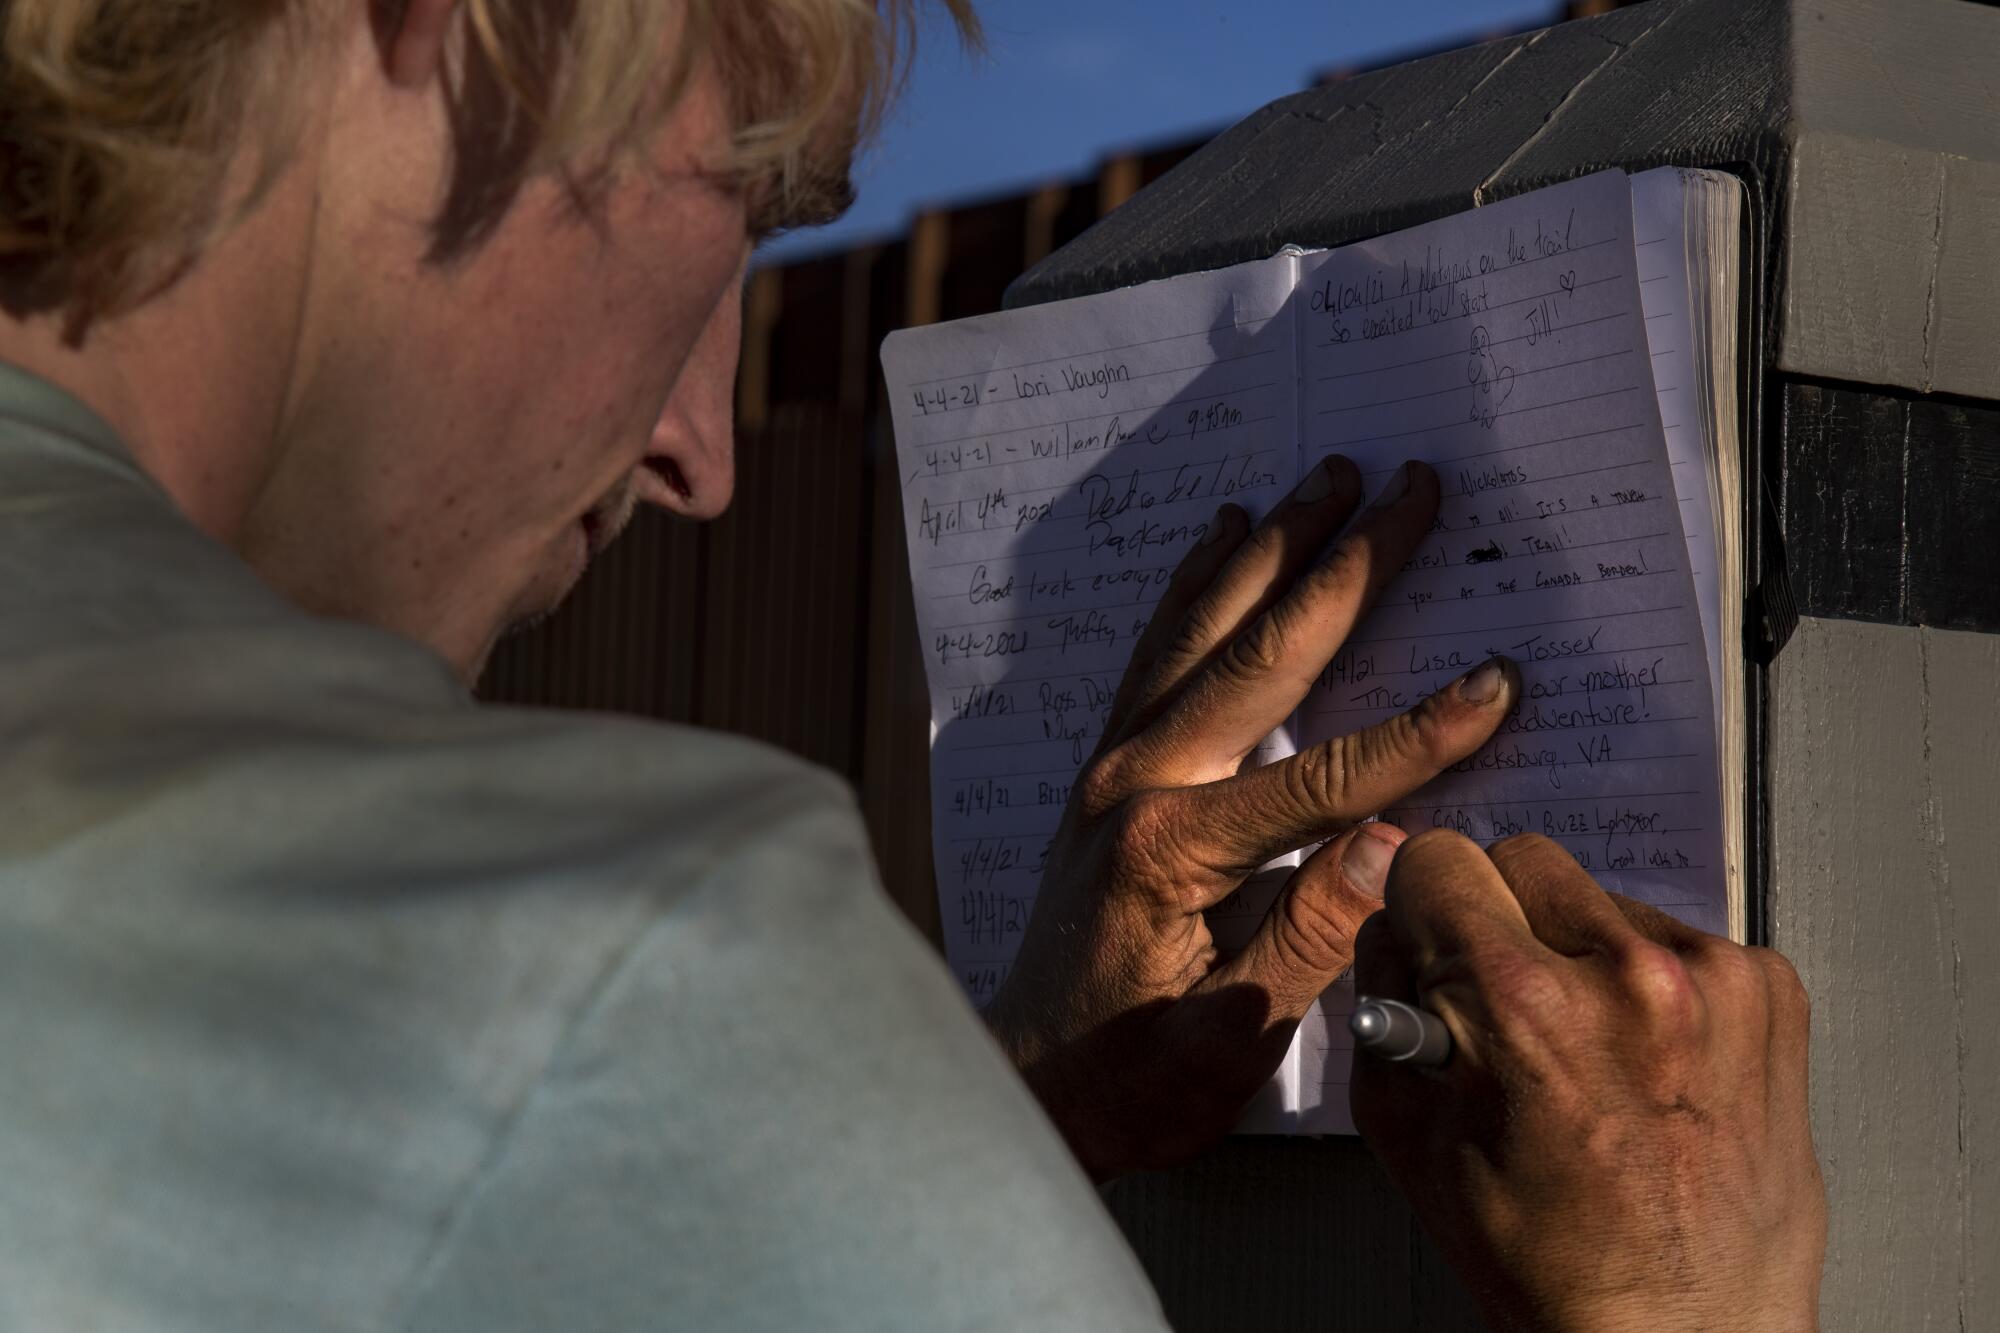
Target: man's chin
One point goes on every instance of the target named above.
(526, 622)
(534, 608)
(527, 618)
(553, 586)
(582, 541)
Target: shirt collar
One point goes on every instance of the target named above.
(27, 397)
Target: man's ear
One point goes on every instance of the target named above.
(411, 35)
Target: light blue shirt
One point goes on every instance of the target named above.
(330, 999)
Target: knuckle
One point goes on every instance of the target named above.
(1192, 635)
(1423, 735)
(1390, 746)
(1730, 971)
(1790, 1000)
(1318, 931)
(1519, 992)
(1100, 786)
(1146, 839)
(1524, 852)
(1658, 986)
(1660, 928)
(1315, 778)
(1255, 653)
(1518, 987)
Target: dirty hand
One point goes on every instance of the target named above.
(1619, 1140)
(1140, 1040)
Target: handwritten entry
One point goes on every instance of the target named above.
(1507, 348)
(1056, 463)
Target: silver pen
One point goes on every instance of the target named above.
(1402, 1033)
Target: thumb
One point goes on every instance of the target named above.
(1306, 940)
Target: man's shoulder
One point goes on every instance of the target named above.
(341, 993)
(341, 738)
(166, 708)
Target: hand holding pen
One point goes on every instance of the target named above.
(1599, 1113)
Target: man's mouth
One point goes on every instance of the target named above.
(603, 521)
(601, 524)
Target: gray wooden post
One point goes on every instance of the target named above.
(1868, 135)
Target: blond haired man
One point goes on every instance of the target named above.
(340, 333)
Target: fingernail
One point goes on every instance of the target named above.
(1482, 685)
(1317, 485)
(1366, 862)
(1398, 487)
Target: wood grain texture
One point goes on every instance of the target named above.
(1962, 675)
(1902, 291)
(1404, 145)
(1871, 130)
(1898, 136)
(1916, 72)
(1891, 505)
(1963, 339)
(1857, 282)
(1885, 754)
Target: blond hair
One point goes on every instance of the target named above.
(121, 119)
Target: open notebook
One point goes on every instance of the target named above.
(1566, 359)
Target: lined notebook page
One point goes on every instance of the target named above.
(1056, 463)
(1660, 231)
(1507, 347)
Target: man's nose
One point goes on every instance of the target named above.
(693, 449)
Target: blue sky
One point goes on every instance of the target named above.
(1065, 82)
